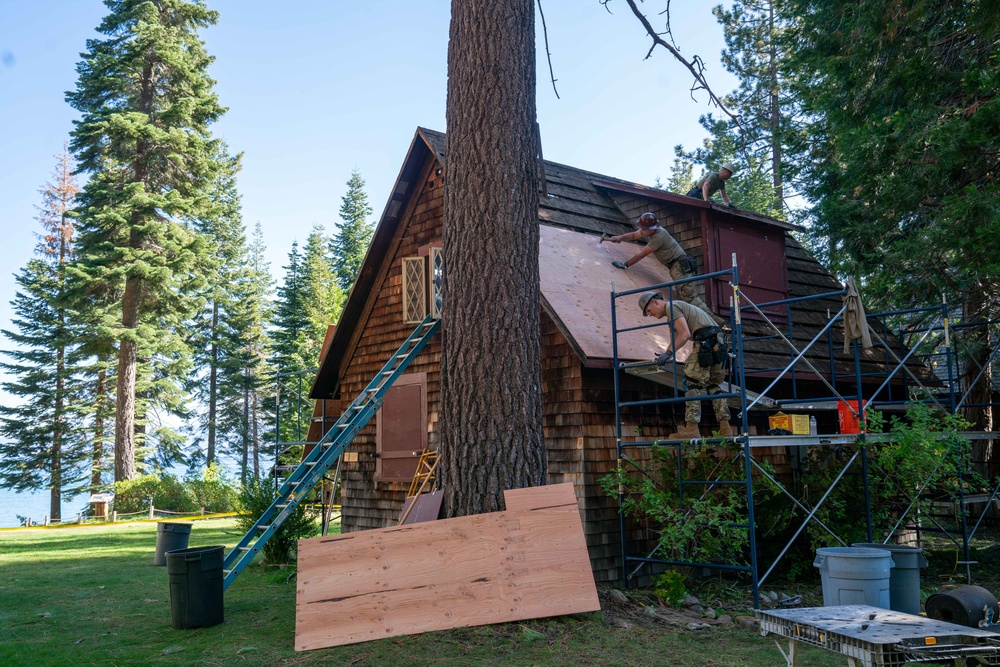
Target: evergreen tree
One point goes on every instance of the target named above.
(351, 242)
(905, 123)
(749, 188)
(249, 374)
(755, 52)
(43, 445)
(323, 296)
(491, 413)
(290, 340)
(222, 224)
(146, 103)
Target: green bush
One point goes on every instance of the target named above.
(255, 498)
(166, 491)
(212, 490)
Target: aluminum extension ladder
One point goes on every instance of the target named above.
(326, 452)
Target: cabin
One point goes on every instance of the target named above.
(400, 283)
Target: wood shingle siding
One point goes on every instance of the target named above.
(577, 379)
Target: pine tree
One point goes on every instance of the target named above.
(351, 242)
(323, 296)
(222, 224)
(247, 368)
(755, 52)
(491, 413)
(44, 447)
(905, 122)
(290, 338)
(749, 188)
(146, 103)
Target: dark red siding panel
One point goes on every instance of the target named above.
(760, 256)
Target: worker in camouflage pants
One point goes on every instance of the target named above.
(704, 370)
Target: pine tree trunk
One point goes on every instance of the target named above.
(776, 177)
(255, 440)
(213, 384)
(491, 425)
(58, 430)
(245, 437)
(980, 415)
(97, 457)
(125, 403)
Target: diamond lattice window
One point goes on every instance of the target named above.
(437, 279)
(414, 290)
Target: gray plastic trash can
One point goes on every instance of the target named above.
(904, 579)
(170, 536)
(853, 575)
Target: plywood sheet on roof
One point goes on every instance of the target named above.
(576, 280)
(527, 562)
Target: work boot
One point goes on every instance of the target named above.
(725, 430)
(687, 432)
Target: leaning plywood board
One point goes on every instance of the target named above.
(527, 562)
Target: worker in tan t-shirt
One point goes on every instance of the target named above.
(668, 252)
(704, 370)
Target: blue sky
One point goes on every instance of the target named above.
(316, 89)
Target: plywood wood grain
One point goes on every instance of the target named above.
(576, 281)
(522, 563)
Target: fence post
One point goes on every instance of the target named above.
(45, 520)
(79, 517)
(150, 510)
(114, 516)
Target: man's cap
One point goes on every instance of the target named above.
(646, 297)
(647, 221)
(729, 166)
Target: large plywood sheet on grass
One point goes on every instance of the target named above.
(527, 562)
(576, 280)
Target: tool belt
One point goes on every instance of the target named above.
(712, 351)
(687, 264)
(694, 192)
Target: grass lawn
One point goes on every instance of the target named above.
(92, 596)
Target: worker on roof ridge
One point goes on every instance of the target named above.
(712, 183)
(704, 370)
(668, 251)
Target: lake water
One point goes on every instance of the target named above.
(36, 506)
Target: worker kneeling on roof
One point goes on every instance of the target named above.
(712, 183)
(667, 251)
(704, 370)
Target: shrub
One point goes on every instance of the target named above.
(254, 499)
(166, 491)
(212, 490)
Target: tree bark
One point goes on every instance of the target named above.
(980, 396)
(776, 176)
(97, 458)
(125, 403)
(491, 430)
(213, 384)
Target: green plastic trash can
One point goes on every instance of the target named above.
(196, 586)
(170, 536)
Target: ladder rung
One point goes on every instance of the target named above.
(281, 507)
(243, 548)
(260, 527)
(310, 464)
(342, 425)
(226, 571)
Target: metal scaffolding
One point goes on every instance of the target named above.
(916, 358)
